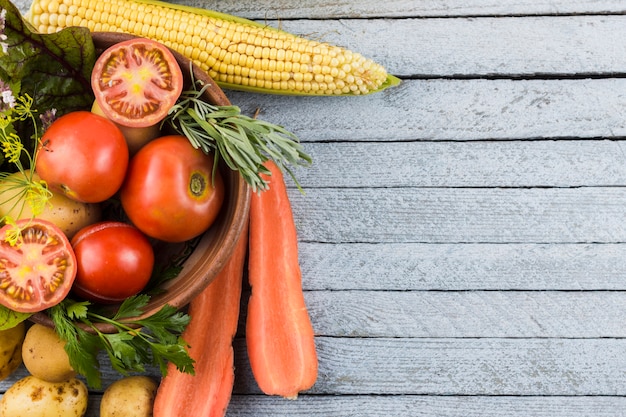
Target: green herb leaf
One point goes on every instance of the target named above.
(123, 355)
(153, 340)
(174, 353)
(81, 347)
(10, 318)
(131, 306)
(77, 310)
(165, 324)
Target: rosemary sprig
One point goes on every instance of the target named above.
(242, 142)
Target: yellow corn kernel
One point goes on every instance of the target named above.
(237, 53)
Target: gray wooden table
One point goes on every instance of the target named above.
(462, 236)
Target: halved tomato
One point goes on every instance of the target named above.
(37, 272)
(136, 82)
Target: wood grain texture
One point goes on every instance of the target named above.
(268, 9)
(467, 366)
(517, 163)
(426, 406)
(463, 267)
(452, 109)
(461, 215)
(468, 314)
(465, 314)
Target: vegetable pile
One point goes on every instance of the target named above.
(104, 157)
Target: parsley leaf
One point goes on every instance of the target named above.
(81, 346)
(131, 307)
(154, 340)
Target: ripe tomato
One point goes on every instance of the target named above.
(136, 82)
(37, 272)
(114, 259)
(171, 192)
(83, 155)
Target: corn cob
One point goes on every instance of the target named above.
(237, 53)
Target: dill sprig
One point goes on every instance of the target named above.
(244, 143)
(21, 186)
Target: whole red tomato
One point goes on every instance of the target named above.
(83, 155)
(38, 271)
(114, 259)
(171, 191)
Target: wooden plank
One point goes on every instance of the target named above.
(415, 406)
(502, 46)
(461, 215)
(483, 366)
(453, 110)
(456, 366)
(459, 267)
(561, 163)
(282, 9)
(467, 314)
(425, 406)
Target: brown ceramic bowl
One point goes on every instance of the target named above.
(209, 252)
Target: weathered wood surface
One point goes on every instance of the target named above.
(286, 9)
(463, 266)
(455, 164)
(463, 235)
(455, 109)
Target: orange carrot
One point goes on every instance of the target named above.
(214, 317)
(279, 334)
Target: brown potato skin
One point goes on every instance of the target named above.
(32, 397)
(44, 356)
(131, 396)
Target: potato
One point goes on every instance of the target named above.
(32, 397)
(132, 396)
(69, 215)
(11, 349)
(44, 356)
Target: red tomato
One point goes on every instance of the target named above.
(115, 261)
(38, 272)
(171, 192)
(136, 82)
(83, 155)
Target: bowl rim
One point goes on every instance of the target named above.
(214, 95)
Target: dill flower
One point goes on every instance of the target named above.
(12, 147)
(13, 234)
(31, 192)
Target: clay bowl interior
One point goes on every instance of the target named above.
(215, 246)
